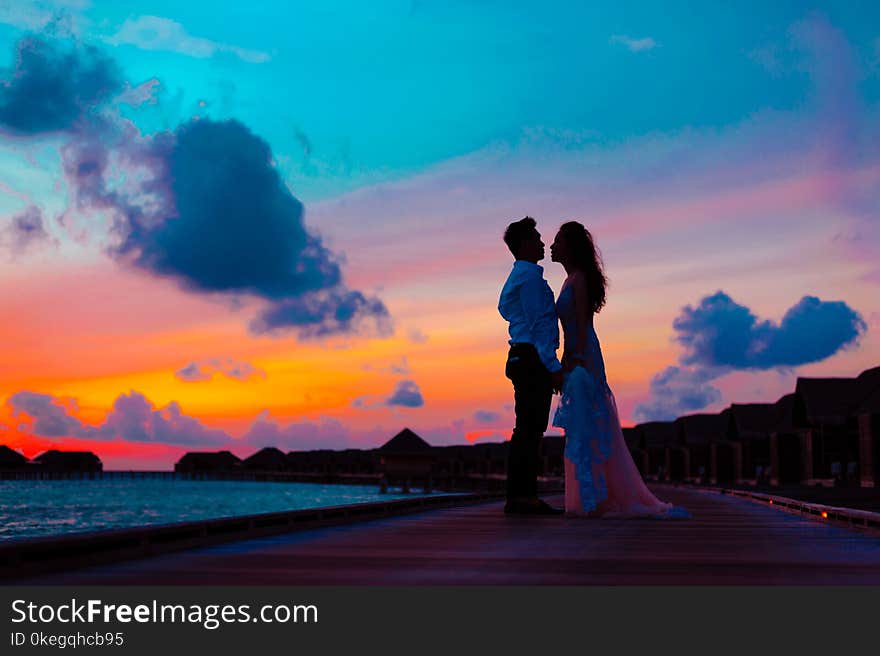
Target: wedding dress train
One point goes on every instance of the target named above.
(601, 479)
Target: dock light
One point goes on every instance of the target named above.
(824, 515)
(771, 502)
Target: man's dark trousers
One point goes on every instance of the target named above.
(533, 393)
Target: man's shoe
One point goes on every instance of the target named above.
(536, 507)
(546, 509)
(513, 508)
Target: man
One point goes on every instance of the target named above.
(527, 304)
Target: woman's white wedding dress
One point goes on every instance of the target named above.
(601, 478)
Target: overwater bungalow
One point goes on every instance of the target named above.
(551, 455)
(832, 408)
(208, 462)
(406, 459)
(55, 461)
(268, 459)
(450, 461)
(12, 460)
(697, 433)
(868, 414)
(490, 458)
(357, 461)
(657, 440)
(633, 438)
(750, 426)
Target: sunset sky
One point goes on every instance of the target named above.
(232, 225)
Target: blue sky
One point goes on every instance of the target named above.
(381, 89)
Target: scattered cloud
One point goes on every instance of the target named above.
(204, 370)
(407, 395)
(676, 391)
(397, 368)
(158, 33)
(416, 336)
(133, 418)
(634, 45)
(25, 231)
(55, 85)
(144, 93)
(326, 433)
(487, 416)
(51, 416)
(37, 15)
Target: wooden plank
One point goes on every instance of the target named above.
(729, 540)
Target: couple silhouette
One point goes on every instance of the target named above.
(601, 479)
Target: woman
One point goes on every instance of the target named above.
(601, 479)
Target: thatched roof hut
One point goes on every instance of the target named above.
(208, 461)
(68, 461)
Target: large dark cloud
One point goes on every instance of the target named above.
(720, 336)
(211, 212)
(721, 333)
(54, 84)
(235, 227)
(203, 204)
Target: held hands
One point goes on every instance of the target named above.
(556, 379)
(569, 362)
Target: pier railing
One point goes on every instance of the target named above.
(441, 483)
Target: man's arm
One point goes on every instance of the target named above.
(540, 313)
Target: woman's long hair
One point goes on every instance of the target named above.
(585, 256)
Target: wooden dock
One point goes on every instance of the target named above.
(729, 540)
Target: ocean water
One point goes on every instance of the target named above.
(32, 508)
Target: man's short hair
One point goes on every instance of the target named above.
(519, 231)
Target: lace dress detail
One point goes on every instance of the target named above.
(601, 477)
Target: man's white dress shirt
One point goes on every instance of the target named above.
(527, 303)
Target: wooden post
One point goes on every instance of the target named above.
(774, 459)
(807, 457)
(713, 464)
(868, 435)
